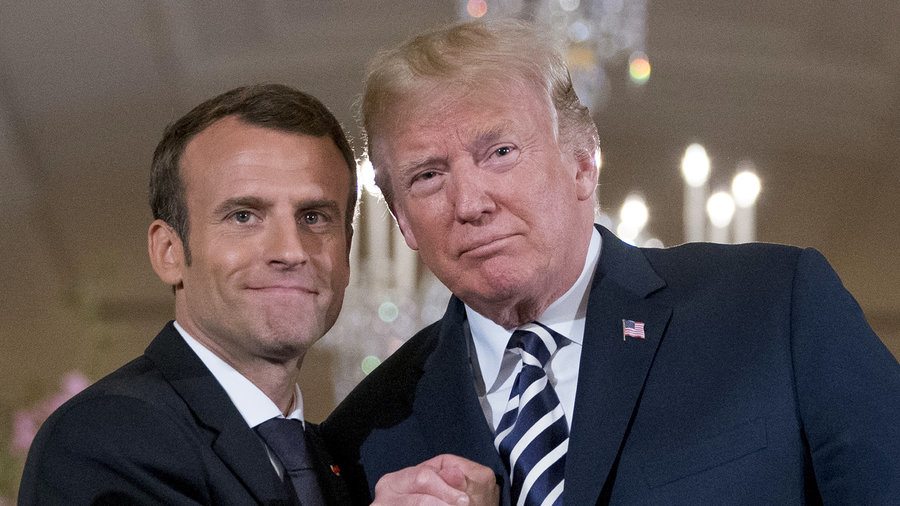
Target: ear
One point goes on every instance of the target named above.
(405, 229)
(166, 252)
(587, 173)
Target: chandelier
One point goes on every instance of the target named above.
(599, 35)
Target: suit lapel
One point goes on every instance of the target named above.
(333, 487)
(230, 437)
(613, 367)
(446, 403)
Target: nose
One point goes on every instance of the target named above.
(284, 245)
(470, 193)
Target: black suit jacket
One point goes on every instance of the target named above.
(758, 382)
(160, 430)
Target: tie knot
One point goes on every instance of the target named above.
(287, 440)
(537, 342)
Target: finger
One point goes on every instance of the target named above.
(472, 470)
(480, 482)
(454, 476)
(416, 500)
(421, 479)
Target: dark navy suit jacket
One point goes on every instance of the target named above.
(160, 430)
(758, 382)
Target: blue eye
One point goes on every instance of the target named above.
(242, 216)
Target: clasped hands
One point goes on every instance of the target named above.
(442, 480)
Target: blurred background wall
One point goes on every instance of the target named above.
(809, 91)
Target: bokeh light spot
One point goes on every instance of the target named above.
(476, 8)
(388, 311)
(370, 363)
(639, 68)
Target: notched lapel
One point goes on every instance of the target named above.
(230, 437)
(613, 370)
(446, 403)
(238, 447)
(329, 474)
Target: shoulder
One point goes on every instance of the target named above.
(696, 269)
(398, 371)
(708, 257)
(124, 428)
(385, 394)
(98, 419)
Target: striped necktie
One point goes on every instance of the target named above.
(533, 435)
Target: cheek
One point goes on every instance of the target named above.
(431, 222)
(333, 264)
(228, 261)
(231, 256)
(340, 274)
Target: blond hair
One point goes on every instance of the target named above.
(466, 53)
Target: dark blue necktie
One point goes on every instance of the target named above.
(533, 435)
(285, 437)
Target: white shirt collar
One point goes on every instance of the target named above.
(254, 405)
(565, 315)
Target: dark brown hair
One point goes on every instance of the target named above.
(272, 106)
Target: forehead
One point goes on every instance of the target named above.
(232, 156)
(456, 111)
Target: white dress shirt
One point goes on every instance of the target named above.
(253, 405)
(495, 368)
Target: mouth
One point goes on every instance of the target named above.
(485, 247)
(283, 289)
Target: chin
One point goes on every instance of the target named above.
(283, 350)
(291, 337)
(494, 291)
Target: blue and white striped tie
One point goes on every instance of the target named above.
(533, 435)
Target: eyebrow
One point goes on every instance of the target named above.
(405, 168)
(242, 201)
(489, 135)
(480, 138)
(260, 203)
(331, 205)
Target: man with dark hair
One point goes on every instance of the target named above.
(253, 194)
(580, 369)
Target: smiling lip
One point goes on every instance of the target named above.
(485, 247)
(284, 289)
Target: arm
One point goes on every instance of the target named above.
(848, 387)
(445, 479)
(112, 449)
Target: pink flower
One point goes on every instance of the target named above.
(26, 422)
(24, 429)
(73, 382)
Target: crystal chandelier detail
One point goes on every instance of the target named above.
(599, 35)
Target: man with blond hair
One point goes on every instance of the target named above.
(580, 369)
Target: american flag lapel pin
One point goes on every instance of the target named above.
(631, 328)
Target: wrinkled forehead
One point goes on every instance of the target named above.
(436, 103)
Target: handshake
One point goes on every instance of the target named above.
(445, 479)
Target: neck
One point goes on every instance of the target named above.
(514, 315)
(275, 376)
(278, 383)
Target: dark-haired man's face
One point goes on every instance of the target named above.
(268, 241)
